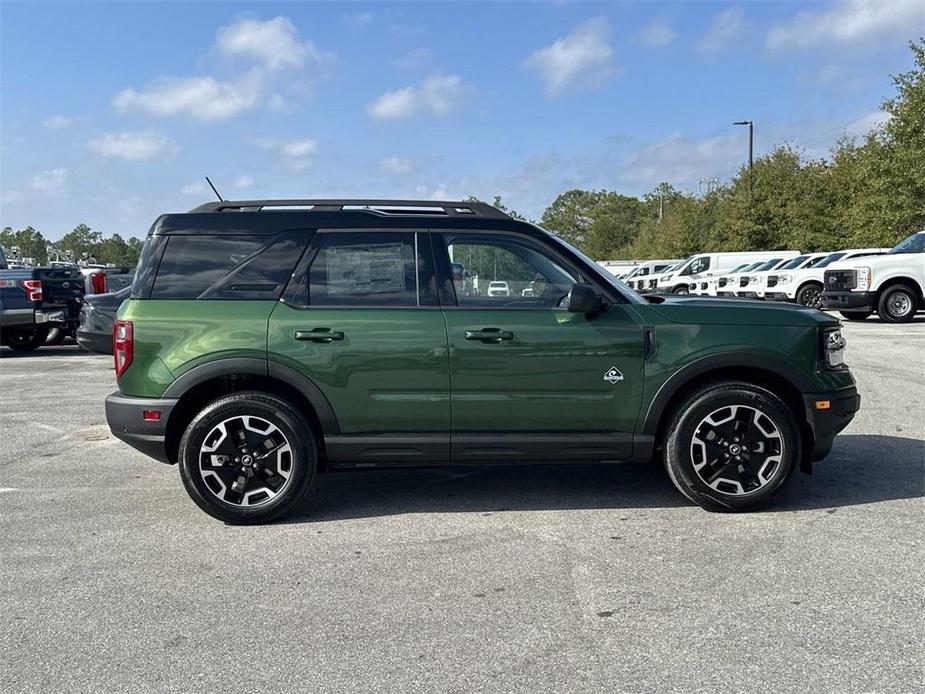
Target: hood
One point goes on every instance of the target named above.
(875, 261)
(707, 311)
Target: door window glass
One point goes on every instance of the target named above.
(364, 269)
(502, 271)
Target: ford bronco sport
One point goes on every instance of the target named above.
(267, 341)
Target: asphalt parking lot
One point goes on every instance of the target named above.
(545, 578)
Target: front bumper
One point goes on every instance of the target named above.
(124, 416)
(827, 423)
(850, 301)
(777, 296)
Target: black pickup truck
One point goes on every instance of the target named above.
(36, 300)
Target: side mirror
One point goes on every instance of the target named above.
(583, 299)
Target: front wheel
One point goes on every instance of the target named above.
(681, 290)
(731, 446)
(856, 315)
(897, 304)
(25, 340)
(248, 458)
(810, 295)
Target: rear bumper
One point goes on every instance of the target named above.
(124, 416)
(827, 423)
(851, 301)
(17, 317)
(95, 342)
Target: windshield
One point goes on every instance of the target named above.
(768, 264)
(814, 262)
(2, 260)
(912, 244)
(794, 263)
(831, 258)
(624, 291)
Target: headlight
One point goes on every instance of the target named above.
(864, 278)
(833, 346)
(783, 279)
(666, 278)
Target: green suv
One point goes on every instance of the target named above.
(268, 341)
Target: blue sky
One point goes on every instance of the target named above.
(113, 112)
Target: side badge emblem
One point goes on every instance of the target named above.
(613, 375)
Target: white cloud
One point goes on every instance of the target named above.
(360, 19)
(194, 188)
(683, 161)
(295, 155)
(242, 182)
(436, 95)
(657, 34)
(56, 122)
(415, 59)
(723, 30)
(830, 76)
(396, 165)
(203, 98)
(49, 181)
(850, 21)
(581, 59)
(273, 43)
(134, 146)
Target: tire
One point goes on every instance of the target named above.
(273, 484)
(897, 304)
(55, 336)
(810, 294)
(705, 424)
(681, 290)
(856, 315)
(25, 340)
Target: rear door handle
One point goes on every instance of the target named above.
(489, 335)
(322, 335)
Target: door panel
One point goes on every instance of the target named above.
(550, 377)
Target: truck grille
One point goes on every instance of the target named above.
(772, 280)
(841, 279)
(743, 282)
(722, 282)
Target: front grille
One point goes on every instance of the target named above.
(772, 280)
(841, 279)
(743, 282)
(703, 285)
(652, 284)
(722, 281)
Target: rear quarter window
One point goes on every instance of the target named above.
(227, 266)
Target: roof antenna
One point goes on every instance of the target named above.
(217, 194)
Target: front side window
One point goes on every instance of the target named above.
(697, 266)
(365, 269)
(506, 272)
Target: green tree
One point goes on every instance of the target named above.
(30, 242)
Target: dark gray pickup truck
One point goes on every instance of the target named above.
(35, 300)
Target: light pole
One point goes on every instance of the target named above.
(751, 140)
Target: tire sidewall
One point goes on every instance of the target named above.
(678, 445)
(883, 305)
(802, 293)
(290, 423)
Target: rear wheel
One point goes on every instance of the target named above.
(810, 295)
(25, 340)
(731, 446)
(248, 458)
(897, 304)
(856, 315)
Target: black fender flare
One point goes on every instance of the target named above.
(236, 366)
(669, 389)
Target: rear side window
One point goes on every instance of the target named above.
(364, 269)
(226, 266)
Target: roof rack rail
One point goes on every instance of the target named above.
(386, 207)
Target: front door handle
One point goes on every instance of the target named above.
(489, 335)
(322, 335)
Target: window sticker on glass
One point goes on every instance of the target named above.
(370, 269)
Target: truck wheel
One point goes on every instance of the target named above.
(731, 446)
(856, 315)
(248, 458)
(810, 295)
(681, 289)
(25, 340)
(897, 304)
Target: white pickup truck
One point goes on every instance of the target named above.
(804, 285)
(892, 284)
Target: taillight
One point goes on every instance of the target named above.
(33, 289)
(123, 345)
(98, 282)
